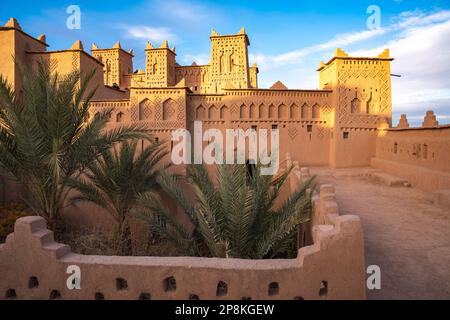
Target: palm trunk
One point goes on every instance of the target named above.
(122, 239)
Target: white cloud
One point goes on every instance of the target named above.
(201, 58)
(149, 33)
(422, 59)
(406, 21)
(184, 14)
(409, 19)
(269, 62)
(420, 44)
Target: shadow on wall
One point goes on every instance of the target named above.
(33, 266)
(419, 154)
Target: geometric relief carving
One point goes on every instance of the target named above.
(356, 73)
(292, 132)
(53, 65)
(74, 61)
(326, 110)
(234, 108)
(134, 109)
(365, 102)
(157, 107)
(165, 124)
(321, 133)
(181, 109)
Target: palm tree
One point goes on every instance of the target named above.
(116, 180)
(235, 217)
(47, 135)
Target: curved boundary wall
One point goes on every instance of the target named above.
(33, 266)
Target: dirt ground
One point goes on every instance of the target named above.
(405, 234)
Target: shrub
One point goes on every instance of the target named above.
(8, 216)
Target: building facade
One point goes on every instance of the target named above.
(336, 125)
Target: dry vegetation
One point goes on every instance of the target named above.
(99, 241)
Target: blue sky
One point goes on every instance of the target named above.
(288, 38)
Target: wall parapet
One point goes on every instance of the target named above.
(419, 154)
(33, 266)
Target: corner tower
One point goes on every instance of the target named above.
(362, 96)
(16, 44)
(118, 64)
(229, 61)
(160, 66)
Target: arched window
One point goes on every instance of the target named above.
(253, 111)
(305, 111)
(200, 113)
(315, 111)
(272, 111)
(169, 109)
(282, 112)
(370, 106)
(119, 117)
(224, 114)
(243, 113)
(144, 109)
(356, 105)
(212, 112)
(262, 111)
(294, 111)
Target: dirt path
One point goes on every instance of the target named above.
(406, 235)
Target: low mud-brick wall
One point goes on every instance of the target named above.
(34, 266)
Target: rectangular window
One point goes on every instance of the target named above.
(345, 135)
(274, 127)
(309, 128)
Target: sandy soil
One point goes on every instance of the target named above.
(406, 234)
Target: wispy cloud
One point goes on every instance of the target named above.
(405, 21)
(178, 10)
(149, 33)
(418, 18)
(421, 58)
(267, 62)
(419, 42)
(201, 58)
